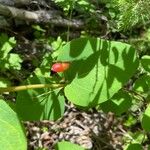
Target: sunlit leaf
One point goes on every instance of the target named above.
(4, 82)
(142, 85)
(118, 104)
(64, 145)
(133, 146)
(98, 70)
(12, 135)
(145, 61)
(146, 119)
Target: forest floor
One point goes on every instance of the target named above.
(90, 129)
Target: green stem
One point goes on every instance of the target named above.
(70, 16)
(32, 86)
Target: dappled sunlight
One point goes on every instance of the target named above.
(103, 67)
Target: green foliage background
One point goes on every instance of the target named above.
(126, 21)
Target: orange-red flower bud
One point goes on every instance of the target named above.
(60, 67)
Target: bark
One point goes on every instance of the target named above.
(23, 2)
(40, 16)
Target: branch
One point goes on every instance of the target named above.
(23, 2)
(41, 16)
(27, 87)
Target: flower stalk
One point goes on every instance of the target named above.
(27, 87)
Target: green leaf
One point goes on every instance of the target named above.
(130, 121)
(12, 41)
(133, 146)
(6, 45)
(146, 119)
(12, 136)
(44, 69)
(98, 70)
(142, 84)
(38, 28)
(40, 104)
(64, 145)
(47, 60)
(57, 44)
(118, 104)
(43, 72)
(14, 61)
(145, 61)
(4, 82)
(139, 137)
(148, 147)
